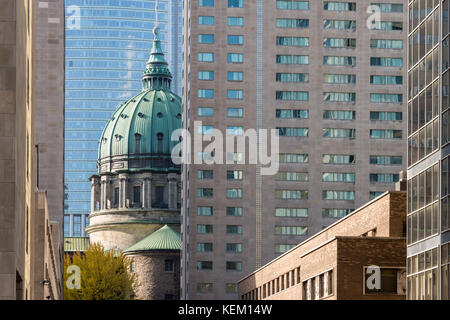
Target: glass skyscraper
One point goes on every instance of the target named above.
(107, 45)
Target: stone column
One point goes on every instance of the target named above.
(93, 197)
(147, 193)
(121, 191)
(173, 192)
(102, 195)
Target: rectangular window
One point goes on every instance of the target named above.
(235, 157)
(338, 177)
(335, 213)
(206, 3)
(338, 159)
(339, 61)
(393, 7)
(116, 196)
(204, 211)
(292, 23)
(386, 44)
(339, 6)
(292, 95)
(386, 160)
(385, 134)
(339, 24)
(386, 80)
(66, 225)
(291, 212)
(235, 40)
(206, 20)
(235, 76)
(205, 93)
(291, 230)
(234, 211)
(205, 112)
(235, 112)
(338, 195)
(234, 247)
(282, 248)
(292, 5)
(386, 116)
(205, 129)
(234, 266)
(204, 287)
(387, 26)
(204, 228)
(292, 114)
(235, 58)
(204, 247)
(206, 57)
(234, 193)
(386, 62)
(293, 158)
(291, 176)
(339, 96)
(234, 131)
(288, 59)
(339, 133)
(169, 265)
(204, 265)
(292, 41)
(386, 98)
(205, 192)
(137, 194)
(206, 38)
(205, 174)
(375, 194)
(206, 75)
(293, 132)
(235, 21)
(292, 77)
(235, 3)
(339, 43)
(234, 174)
(234, 229)
(291, 194)
(339, 78)
(384, 178)
(231, 288)
(76, 225)
(339, 115)
(235, 94)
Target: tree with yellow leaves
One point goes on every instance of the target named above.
(104, 275)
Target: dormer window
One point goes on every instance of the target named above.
(160, 137)
(137, 140)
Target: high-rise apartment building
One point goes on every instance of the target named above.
(107, 43)
(329, 76)
(428, 151)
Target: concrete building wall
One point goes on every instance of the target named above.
(259, 103)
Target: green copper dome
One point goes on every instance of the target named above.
(141, 128)
(162, 239)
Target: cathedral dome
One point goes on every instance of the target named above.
(138, 135)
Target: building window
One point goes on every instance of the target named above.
(204, 211)
(338, 159)
(293, 132)
(391, 281)
(204, 287)
(204, 247)
(206, 57)
(205, 228)
(77, 225)
(388, 26)
(292, 23)
(291, 176)
(235, 76)
(292, 113)
(338, 177)
(386, 80)
(386, 62)
(235, 21)
(235, 40)
(292, 59)
(339, 115)
(282, 248)
(234, 211)
(205, 112)
(234, 193)
(386, 44)
(235, 112)
(385, 134)
(66, 225)
(231, 288)
(234, 229)
(234, 266)
(339, 61)
(235, 3)
(205, 192)
(206, 75)
(205, 174)
(386, 98)
(205, 93)
(291, 194)
(206, 38)
(339, 133)
(339, 96)
(234, 175)
(235, 58)
(335, 212)
(293, 158)
(206, 20)
(339, 78)
(116, 196)
(292, 5)
(235, 94)
(292, 77)
(204, 265)
(339, 43)
(234, 247)
(393, 7)
(386, 160)
(339, 6)
(291, 212)
(338, 195)
(291, 230)
(292, 41)
(339, 24)
(384, 178)
(234, 131)
(206, 3)
(386, 116)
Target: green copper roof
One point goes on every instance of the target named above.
(162, 239)
(144, 124)
(76, 244)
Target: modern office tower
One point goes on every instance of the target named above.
(329, 76)
(428, 161)
(107, 43)
(31, 115)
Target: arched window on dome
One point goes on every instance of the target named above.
(160, 137)
(137, 141)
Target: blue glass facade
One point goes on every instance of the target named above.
(107, 46)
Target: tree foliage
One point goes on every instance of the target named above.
(105, 275)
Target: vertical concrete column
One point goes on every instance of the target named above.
(317, 288)
(121, 191)
(308, 290)
(124, 193)
(325, 284)
(172, 190)
(102, 195)
(93, 183)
